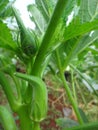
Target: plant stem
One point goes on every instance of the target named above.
(8, 91)
(36, 126)
(73, 87)
(7, 119)
(25, 121)
(42, 54)
(81, 93)
(17, 84)
(71, 99)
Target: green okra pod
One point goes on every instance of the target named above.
(28, 39)
(38, 109)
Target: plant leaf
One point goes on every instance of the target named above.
(66, 122)
(88, 10)
(37, 18)
(75, 46)
(43, 7)
(86, 41)
(71, 5)
(6, 10)
(86, 79)
(77, 29)
(3, 4)
(6, 40)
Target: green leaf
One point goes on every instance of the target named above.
(3, 4)
(71, 5)
(66, 122)
(46, 7)
(76, 45)
(87, 80)
(6, 40)
(86, 41)
(88, 10)
(7, 11)
(43, 7)
(76, 29)
(37, 18)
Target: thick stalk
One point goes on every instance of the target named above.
(25, 121)
(36, 126)
(71, 99)
(38, 65)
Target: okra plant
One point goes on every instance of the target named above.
(54, 39)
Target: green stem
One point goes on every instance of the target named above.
(36, 126)
(7, 119)
(71, 99)
(17, 84)
(38, 65)
(25, 121)
(73, 87)
(8, 91)
(80, 91)
(29, 65)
